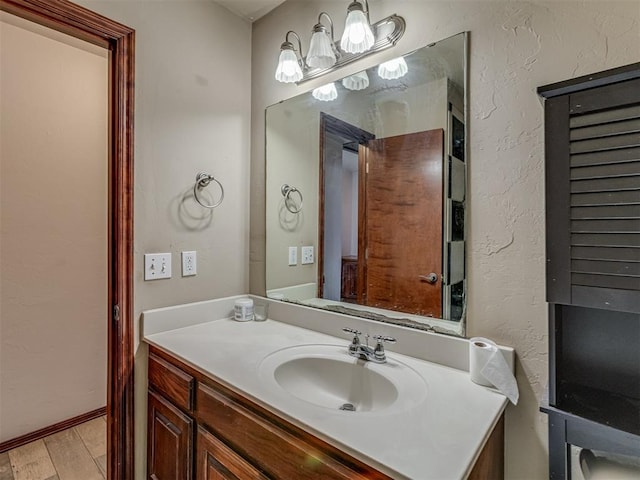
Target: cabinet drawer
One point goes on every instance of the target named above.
(171, 382)
(276, 451)
(216, 461)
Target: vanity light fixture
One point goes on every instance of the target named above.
(289, 65)
(358, 36)
(325, 93)
(357, 81)
(393, 69)
(322, 52)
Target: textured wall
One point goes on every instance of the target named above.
(53, 230)
(515, 47)
(192, 114)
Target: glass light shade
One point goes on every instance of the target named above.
(326, 93)
(288, 70)
(393, 69)
(358, 36)
(321, 54)
(358, 81)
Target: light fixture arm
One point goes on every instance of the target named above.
(366, 11)
(299, 43)
(330, 23)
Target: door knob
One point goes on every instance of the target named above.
(431, 278)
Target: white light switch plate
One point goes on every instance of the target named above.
(293, 256)
(307, 255)
(188, 263)
(157, 266)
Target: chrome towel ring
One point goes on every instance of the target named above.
(286, 191)
(202, 181)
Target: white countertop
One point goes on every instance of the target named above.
(437, 439)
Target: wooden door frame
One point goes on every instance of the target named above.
(361, 282)
(74, 20)
(330, 124)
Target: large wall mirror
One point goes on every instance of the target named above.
(366, 192)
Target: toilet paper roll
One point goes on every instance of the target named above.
(488, 367)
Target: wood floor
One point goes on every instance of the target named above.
(79, 453)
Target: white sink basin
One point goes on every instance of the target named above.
(328, 377)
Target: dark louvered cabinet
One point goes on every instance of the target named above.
(592, 185)
(593, 197)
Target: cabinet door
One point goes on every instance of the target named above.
(170, 440)
(216, 461)
(592, 163)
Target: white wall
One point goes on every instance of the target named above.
(53, 227)
(192, 114)
(295, 162)
(349, 203)
(332, 226)
(421, 108)
(514, 48)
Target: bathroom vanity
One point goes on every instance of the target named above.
(234, 437)
(220, 407)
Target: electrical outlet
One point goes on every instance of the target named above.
(188, 263)
(307, 255)
(157, 266)
(293, 256)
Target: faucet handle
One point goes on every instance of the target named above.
(384, 338)
(351, 330)
(355, 343)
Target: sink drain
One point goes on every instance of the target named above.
(348, 407)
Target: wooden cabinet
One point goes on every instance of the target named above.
(169, 442)
(236, 439)
(490, 463)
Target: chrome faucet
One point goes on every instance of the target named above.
(365, 352)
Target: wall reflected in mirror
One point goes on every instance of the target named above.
(366, 192)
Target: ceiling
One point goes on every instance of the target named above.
(250, 10)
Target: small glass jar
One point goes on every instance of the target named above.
(260, 312)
